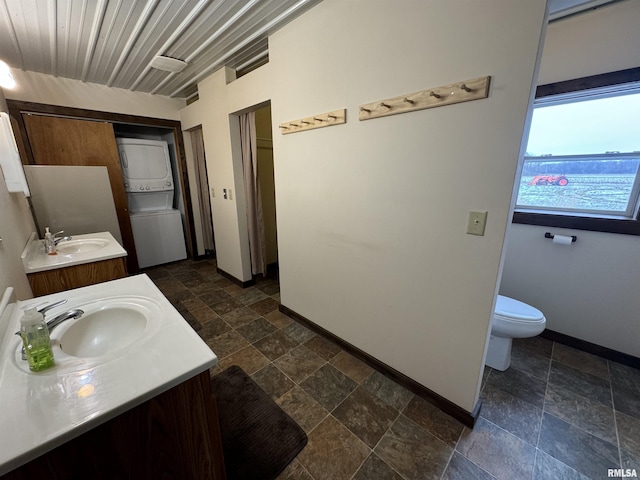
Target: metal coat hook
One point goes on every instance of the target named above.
(365, 109)
(465, 88)
(305, 122)
(318, 119)
(385, 105)
(332, 117)
(409, 101)
(434, 94)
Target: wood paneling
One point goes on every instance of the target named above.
(172, 436)
(60, 279)
(67, 141)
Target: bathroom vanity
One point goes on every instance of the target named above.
(84, 260)
(129, 396)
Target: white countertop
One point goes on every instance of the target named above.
(40, 411)
(34, 258)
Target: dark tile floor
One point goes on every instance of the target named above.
(557, 413)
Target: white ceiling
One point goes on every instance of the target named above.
(112, 42)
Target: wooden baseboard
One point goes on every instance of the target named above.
(592, 348)
(467, 418)
(235, 280)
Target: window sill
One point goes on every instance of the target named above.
(607, 225)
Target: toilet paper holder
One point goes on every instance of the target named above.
(548, 235)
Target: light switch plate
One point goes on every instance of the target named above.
(476, 223)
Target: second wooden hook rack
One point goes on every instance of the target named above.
(474, 89)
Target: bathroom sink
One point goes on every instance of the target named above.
(70, 247)
(106, 326)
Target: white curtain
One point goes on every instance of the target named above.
(253, 197)
(197, 144)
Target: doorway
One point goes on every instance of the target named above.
(258, 169)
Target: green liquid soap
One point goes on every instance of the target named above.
(36, 341)
(40, 357)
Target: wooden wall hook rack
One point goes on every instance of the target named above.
(328, 119)
(465, 91)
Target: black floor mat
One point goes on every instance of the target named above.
(259, 439)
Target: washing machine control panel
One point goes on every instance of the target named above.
(149, 186)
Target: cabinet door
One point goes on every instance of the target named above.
(66, 141)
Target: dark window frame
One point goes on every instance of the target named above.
(629, 226)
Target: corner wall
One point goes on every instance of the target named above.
(372, 215)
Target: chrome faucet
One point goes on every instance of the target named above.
(57, 240)
(63, 317)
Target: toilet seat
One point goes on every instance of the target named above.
(512, 310)
(511, 319)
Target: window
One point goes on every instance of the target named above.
(582, 163)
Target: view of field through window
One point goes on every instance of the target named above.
(583, 155)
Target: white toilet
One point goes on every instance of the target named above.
(511, 319)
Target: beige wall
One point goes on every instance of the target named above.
(47, 89)
(587, 290)
(372, 215)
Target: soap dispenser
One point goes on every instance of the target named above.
(36, 341)
(49, 242)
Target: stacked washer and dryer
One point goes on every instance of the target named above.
(157, 226)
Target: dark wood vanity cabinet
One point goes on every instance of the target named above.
(175, 435)
(66, 278)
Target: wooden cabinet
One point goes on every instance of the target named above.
(53, 281)
(172, 436)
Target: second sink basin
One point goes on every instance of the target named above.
(71, 247)
(106, 326)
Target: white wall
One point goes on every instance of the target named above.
(372, 215)
(16, 226)
(588, 290)
(65, 92)
(218, 101)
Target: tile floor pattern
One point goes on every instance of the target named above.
(557, 413)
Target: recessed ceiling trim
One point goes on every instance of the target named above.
(137, 30)
(179, 31)
(239, 46)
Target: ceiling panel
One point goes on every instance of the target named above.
(111, 42)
